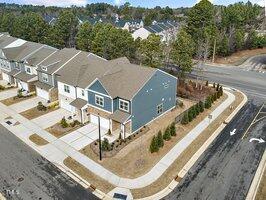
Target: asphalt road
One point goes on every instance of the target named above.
(26, 175)
(226, 169)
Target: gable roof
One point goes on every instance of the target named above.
(58, 59)
(21, 52)
(40, 55)
(6, 40)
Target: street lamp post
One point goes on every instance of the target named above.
(100, 141)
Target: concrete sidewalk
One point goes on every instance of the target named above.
(58, 150)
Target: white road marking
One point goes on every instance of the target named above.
(256, 139)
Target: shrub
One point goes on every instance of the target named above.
(2, 87)
(197, 109)
(172, 129)
(213, 85)
(214, 96)
(185, 119)
(19, 95)
(208, 102)
(105, 145)
(218, 86)
(167, 134)
(190, 115)
(64, 123)
(41, 107)
(201, 106)
(207, 83)
(74, 123)
(154, 145)
(160, 142)
(181, 104)
(221, 91)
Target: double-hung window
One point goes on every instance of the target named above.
(45, 78)
(82, 93)
(160, 109)
(66, 89)
(99, 100)
(123, 105)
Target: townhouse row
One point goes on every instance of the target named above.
(124, 96)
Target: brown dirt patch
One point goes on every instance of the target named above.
(13, 100)
(239, 57)
(180, 162)
(34, 112)
(58, 131)
(38, 140)
(93, 179)
(261, 193)
(135, 159)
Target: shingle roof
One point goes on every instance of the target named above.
(58, 59)
(78, 103)
(43, 86)
(21, 52)
(13, 72)
(119, 116)
(40, 55)
(23, 76)
(6, 40)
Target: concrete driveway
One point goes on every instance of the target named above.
(8, 93)
(26, 104)
(51, 118)
(83, 136)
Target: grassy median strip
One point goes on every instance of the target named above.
(38, 140)
(93, 179)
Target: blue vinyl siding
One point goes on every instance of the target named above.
(144, 104)
(97, 86)
(107, 101)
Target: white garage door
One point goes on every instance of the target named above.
(103, 122)
(23, 85)
(5, 77)
(42, 93)
(65, 105)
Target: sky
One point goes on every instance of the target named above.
(142, 3)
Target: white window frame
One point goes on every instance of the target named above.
(159, 109)
(28, 68)
(66, 89)
(122, 106)
(44, 68)
(45, 77)
(98, 100)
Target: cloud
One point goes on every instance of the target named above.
(63, 3)
(119, 2)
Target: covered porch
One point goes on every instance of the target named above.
(120, 123)
(26, 81)
(80, 110)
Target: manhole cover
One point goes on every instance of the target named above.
(9, 122)
(20, 179)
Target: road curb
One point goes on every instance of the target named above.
(195, 157)
(252, 192)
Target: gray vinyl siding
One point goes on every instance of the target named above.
(50, 79)
(144, 104)
(107, 101)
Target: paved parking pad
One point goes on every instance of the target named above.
(8, 93)
(26, 104)
(82, 137)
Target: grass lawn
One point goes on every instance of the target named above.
(136, 160)
(13, 100)
(58, 131)
(38, 140)
(34, 112)
(93, 179)
(261, 193)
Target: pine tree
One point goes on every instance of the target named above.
(221, 91)
(185, 118)
(217, 87)
(190, 115)
(207, 83)
(154, 145)
(167, 134)
(214, 96)
(213, 85)
(160, 141)
(173, 129)
(197, 109)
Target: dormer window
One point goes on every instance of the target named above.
(44, 68)
(123, 105)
